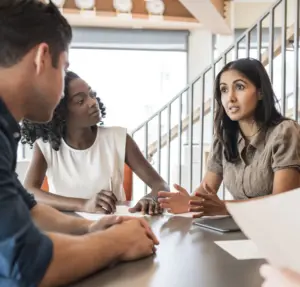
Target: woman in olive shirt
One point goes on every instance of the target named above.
(256, 151)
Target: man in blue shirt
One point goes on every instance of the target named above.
(34, 40)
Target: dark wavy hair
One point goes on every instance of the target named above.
(54, 130)
(266, 114)
(42, 21)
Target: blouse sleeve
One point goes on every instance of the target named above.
(286, 146)
(214, 162)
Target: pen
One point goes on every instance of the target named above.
(110, 189)
(110, 185)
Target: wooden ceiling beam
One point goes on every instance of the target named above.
(210, 13)
(136, 21)
(173, 8)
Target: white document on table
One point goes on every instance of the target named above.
(273, 224)
(121, 210)
(240, 249)
(190, 215)
(187, 214)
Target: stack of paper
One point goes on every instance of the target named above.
(190, 215)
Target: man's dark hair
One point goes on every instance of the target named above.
(25, 24)
(54, 130)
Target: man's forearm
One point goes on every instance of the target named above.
(56, 201)
(89, 253)
(51, 220)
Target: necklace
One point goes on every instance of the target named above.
(253, 134)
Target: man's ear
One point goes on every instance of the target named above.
(41, 59)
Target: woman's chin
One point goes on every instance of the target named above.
(96, 121)
(235, 118)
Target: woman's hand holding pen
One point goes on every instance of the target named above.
(102, 202)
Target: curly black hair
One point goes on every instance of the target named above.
(54, 130)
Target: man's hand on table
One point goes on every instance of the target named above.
(135, 236)
(135, 239)
(111, 220)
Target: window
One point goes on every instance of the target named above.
(132, 84)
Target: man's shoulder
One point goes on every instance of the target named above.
(4, 127)
(5, 137)
(7, 166)
(7, 152)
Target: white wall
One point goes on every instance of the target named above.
(199, 52)
(247, 13)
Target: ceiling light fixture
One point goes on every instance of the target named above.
(85, 4)
(59, 3)
(155, 7)
(123, 6)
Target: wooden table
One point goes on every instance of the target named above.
(186, 257)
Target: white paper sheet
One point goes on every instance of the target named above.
(273, 224)
(240, 249)
(90, 216)
(190, 215)
(121, 210)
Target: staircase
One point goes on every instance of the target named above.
(184, 126)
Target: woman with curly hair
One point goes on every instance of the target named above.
(84, 161)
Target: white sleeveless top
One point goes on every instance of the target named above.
(83, 173)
